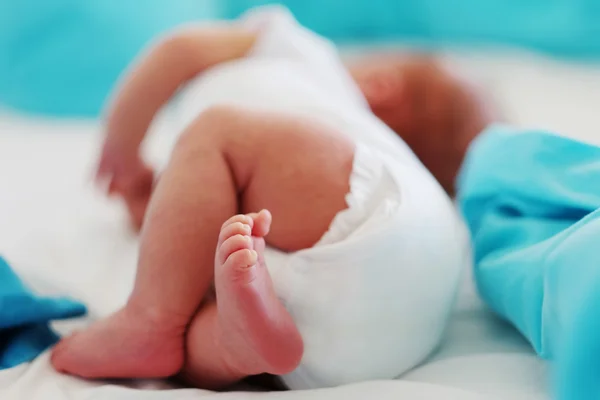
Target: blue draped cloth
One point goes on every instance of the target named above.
(62, 57)
(564, 27)
(24, 318)
(532, 203)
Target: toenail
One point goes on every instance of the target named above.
(247, 229)
(253, 256)
(252, 259)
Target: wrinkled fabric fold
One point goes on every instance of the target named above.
(25, 317)
(532, 204)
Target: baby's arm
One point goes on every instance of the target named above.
(149, 84)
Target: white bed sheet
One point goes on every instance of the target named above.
(63, 237)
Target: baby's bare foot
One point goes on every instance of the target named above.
(128, 344)
(261, 334)
(254, 331)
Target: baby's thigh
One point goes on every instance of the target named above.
(300, 171)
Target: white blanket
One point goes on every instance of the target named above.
(63, 237)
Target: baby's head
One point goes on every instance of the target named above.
(436, 113)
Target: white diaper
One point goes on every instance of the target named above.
(372, 298)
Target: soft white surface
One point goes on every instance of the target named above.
(64, 237)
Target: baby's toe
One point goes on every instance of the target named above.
(232, 245)
(241, 260)
(235, 228)
(241, 218)
(262, 223)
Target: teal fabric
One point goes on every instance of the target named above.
(62, 57)
(24, 318)
(562, 27)
(532, 203)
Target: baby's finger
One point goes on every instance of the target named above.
(103, 167)
(102, 183)
(112, 188)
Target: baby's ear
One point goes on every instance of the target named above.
(381, 87)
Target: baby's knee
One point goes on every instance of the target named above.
(211, 127)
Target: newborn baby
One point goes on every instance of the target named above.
(349, 275)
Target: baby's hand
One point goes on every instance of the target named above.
(122, 172)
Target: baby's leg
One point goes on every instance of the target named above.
(298, 170)
(247, 331)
